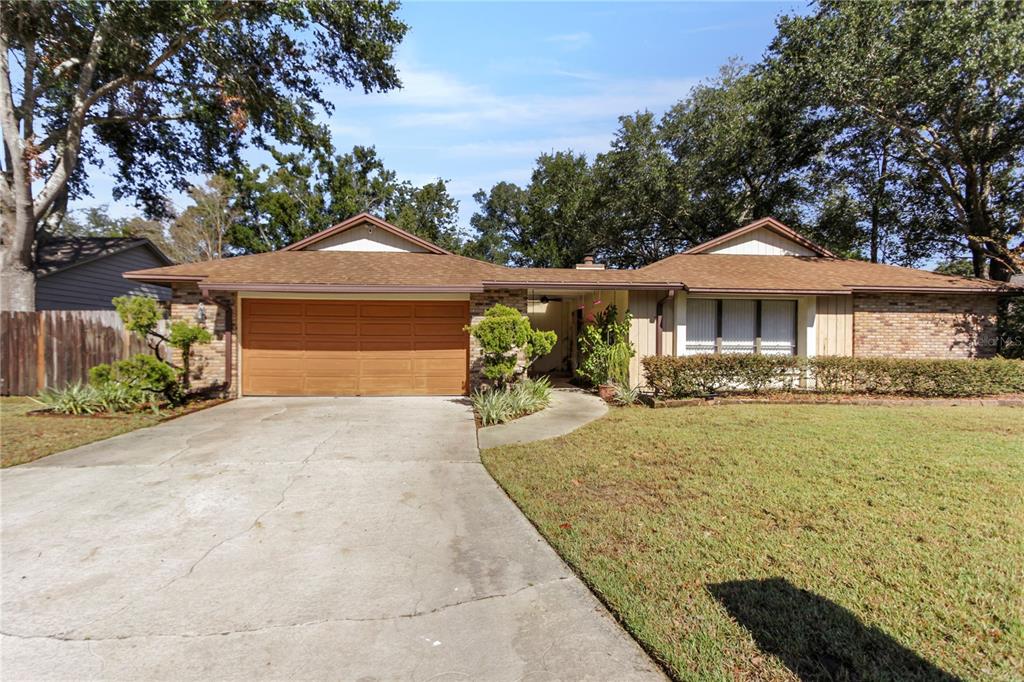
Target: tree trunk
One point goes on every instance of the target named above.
(17, 272)
(979, 261)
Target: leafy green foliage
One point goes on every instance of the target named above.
(694, 375)
(550, 223)
(626, 395)
(183, 88)
(142, 372)
(502, 404)
(605, 348)
(899, 147)
(939, 82)
(140, 314)
(503, 333)
(76, 398)
(1011, 328)
(302, 194)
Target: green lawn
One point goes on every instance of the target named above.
(24, 438)
(781, 542)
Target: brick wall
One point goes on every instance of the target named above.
(478, 305)
(924, 325)
(208, 360)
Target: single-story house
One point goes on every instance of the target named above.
(85, 273)
(365, 308)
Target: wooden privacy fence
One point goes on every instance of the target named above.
(54, 348)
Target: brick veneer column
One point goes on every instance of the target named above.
(924, 325)
(478, 305)
(208, 359)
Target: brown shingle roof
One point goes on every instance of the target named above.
(724, 272)
(383, 271)
(54, 254)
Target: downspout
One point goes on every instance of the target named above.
(669, 296)
(229, 328)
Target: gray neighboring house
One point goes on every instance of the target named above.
(85, 273)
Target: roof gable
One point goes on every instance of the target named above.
(365, 232)
(764, 237)
(56, 254)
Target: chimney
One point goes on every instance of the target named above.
(589, 264)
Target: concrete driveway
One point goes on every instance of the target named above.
(310, 538)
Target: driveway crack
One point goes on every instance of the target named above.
(303, 624)
(255, 522)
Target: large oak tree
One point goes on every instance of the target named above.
(945, 78)
(160, 91)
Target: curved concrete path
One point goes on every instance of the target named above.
(570, 409)
(291, 538)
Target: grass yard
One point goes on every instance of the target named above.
(25, 438)
(780, 542)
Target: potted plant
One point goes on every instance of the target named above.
(606, 351)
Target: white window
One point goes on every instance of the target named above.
(739, 326)
(778, 327)
(701, 325)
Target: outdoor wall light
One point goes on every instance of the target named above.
(201, 313)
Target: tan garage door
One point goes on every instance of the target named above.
(300, 347)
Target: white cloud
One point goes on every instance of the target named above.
(571, 41)
(443, 101)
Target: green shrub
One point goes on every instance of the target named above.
(115, 396)
(503, 333)
(142, 372)
(675, 377)
(74, 398)
(624, 395)
(605, 350)
(141, 315)
(504, 403)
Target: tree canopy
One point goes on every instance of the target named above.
(160, 91)
(890, 130)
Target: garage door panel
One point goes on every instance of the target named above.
(354, 347)
(388, 309)
(328, 344)
(331, 385)
(456, 311)
(390, 329)
(274, 385)
(452, 329)
(273, 344)
(338, 309)
(275, 326)
(333, 327)
(291, 364)
(438, 366)
(281, 308)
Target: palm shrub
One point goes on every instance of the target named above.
(76, 398)
(497, 405)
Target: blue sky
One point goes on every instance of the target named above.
(489, 86)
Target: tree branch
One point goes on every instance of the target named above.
(28, 99)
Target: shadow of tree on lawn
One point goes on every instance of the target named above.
(817, 639)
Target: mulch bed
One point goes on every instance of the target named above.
(1012, 400)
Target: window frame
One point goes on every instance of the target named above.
(759, 323)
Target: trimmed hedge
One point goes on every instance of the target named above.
(691, 375)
